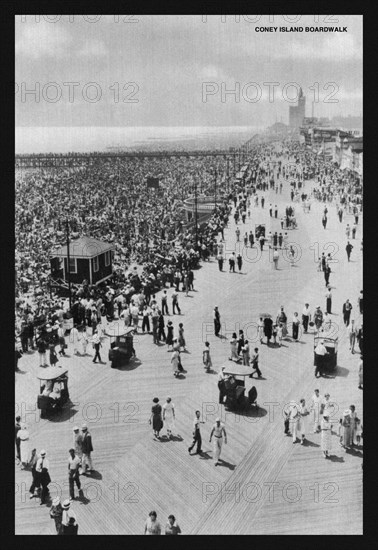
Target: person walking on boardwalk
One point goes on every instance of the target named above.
(181, 338)
(175, 304)
(175, 358)
(56, 513)
(43, 475)
(234, 348)
(152, 526)
(360, 374)
(220, 261)
(255, 364)
(197, 439)
(218, 431)
(352, 336)
(169, 416)
(316, 406)
(155, 418)
(245, 353)
(96, 343)
(306, 317)
(324, 220)
(17, 439)
(239, 261)
(348, 248)
(87, 450)
(217, 323)
(231, 262)
(172, 527)
(326, 437)
(221, 385)
(69, 525)
(78, 443)
(206, 359)
(347, 309)
(328, 296)
(73, 473)
(301, 425)
(361, 302)
(169, 340)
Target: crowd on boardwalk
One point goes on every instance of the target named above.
(132, 297)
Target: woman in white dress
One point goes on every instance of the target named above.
(169, 416)
(301, 425)
(326, 437)
(23, 434)
(233, 348)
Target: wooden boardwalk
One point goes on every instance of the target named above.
(135, 474)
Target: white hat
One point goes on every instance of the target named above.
(75, 428)
(217, 420)
(66, 504)
(43, 452)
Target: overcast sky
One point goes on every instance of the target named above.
(169, 59)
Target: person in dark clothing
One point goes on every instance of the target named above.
(220, 262)
(255, 363)
(146, 319)
(217, 323)
(164, 303)
(348, 249)
(347, 309)
(35, 475)
(24, 335)
(240, 341)
(360, 339)
(361, 302)
(17, 439)
(197, 439)
(97, 345)
(327, 272)
(161, 331)
(268, 325)
(70, 529)
(239, 261)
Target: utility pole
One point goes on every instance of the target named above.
(68, 261)
(215, 181)
(196, 213)
(228, 176)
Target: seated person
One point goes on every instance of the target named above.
(47, 389)
(230, 383)
(56, 393)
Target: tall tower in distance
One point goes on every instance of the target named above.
(297, 113)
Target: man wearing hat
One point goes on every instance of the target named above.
(42, 470)
(316, 406)
(73, 473)
(56, 512)
(320, 352)
(78, 442)
(87, 449)
(68, 520)
(218, 431)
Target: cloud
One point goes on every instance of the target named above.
(92, 48)
(43, 40)
(335, 48)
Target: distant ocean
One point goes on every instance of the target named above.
(49, 139)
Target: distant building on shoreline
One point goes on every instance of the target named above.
(297, 112)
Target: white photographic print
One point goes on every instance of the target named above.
(188, 291)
